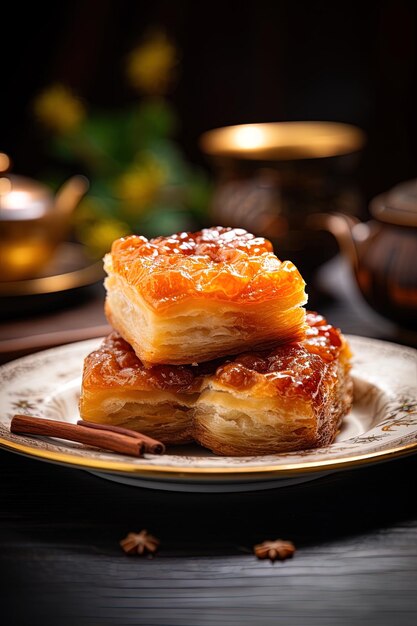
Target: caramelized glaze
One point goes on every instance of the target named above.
(115, 364)
(295, 369)
(218, 263)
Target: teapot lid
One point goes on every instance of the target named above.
(398, 205)
(23, 198)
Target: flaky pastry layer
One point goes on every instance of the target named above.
(202, 295)
(288, 397)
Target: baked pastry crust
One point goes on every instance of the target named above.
(288, 397)
(292, 397)
(117, 389)
(193, 297)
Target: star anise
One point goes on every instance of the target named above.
(273, 550)
(140, 543)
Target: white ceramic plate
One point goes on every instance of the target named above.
(382, 425)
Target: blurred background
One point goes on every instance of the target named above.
(238, 63)
(122, 92)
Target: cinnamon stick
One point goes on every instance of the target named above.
(151, 445)
(107, 440)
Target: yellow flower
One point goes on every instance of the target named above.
(93, 229)
(99, 237)
(140, 184)
(58, 109)
(150, 66)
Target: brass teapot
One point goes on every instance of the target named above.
(383, 252)
(32, 221)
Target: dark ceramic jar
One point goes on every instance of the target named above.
(270, 178)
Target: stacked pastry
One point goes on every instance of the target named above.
(211, 343)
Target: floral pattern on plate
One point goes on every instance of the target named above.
(382, 423)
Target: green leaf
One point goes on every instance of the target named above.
(151, 120)
(165, 221)
(199, 193)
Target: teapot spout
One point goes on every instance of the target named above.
(341, 227)
(70, 194)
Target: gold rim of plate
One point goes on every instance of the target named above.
(160, 471)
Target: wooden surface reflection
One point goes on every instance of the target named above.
(61, 562)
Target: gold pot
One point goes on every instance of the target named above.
(33, 222)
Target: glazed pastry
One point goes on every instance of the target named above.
(292, 397)
(193, 297)
(117, 389)
(288, 397)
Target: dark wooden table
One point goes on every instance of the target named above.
(355, 533)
